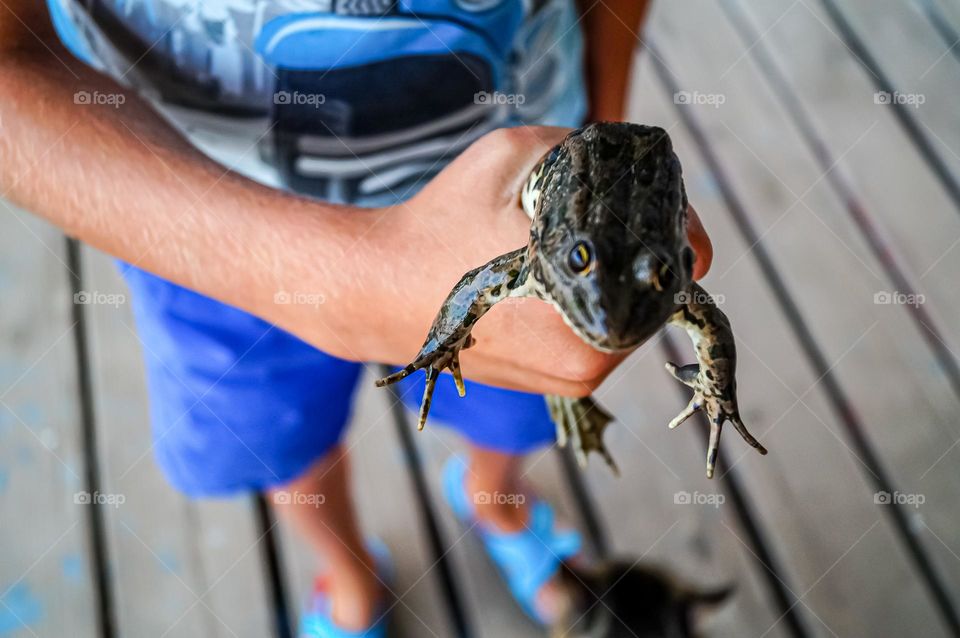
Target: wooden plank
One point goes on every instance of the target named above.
(781, 485)
(857, 337)
(918, 63)
(916, 455)
(944, 17)
(892, 266)
(386, 505)
(907, 203)
(47, 583)
(179, 567)
(949, 13)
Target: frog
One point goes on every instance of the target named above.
(608, 249)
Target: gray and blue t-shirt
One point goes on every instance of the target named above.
(349, 100)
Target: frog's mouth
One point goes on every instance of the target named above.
(614, 326)
(608, 340)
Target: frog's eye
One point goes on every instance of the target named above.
(581, 258)
(552, 156)
(665, 277)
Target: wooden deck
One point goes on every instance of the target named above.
(823, 203)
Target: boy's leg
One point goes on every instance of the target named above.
(494, 472)
(238, 405)
(332, 531)
(501, 427)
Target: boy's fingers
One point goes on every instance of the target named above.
(700, 241)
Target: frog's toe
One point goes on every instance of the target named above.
(458, 376)
(685, 374)
(713, 447)
(403, 373)
(433, 369)
(432, 374)
(584, 422)
(432, 363)
(688, 412)
(718, 413)
(742, 429)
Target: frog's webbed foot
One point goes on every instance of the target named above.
(582, 422)
(444, 356)
(473, 296)
(713, 379)
(719, 408)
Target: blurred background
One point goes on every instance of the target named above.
(821, 147)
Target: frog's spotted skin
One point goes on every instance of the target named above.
(715, 391)
(470, 299)
(608, 249)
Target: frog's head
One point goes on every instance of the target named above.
(609, 239)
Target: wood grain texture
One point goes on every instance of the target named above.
(910, 208)
(47, 586)
(833, 279)
(179, 567)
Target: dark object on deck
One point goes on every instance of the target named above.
(622, 598)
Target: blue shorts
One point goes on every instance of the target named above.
(237, 404)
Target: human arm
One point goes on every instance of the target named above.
(125, 182)
(612, 31)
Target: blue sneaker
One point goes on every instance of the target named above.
(317, 621)
(526, 559)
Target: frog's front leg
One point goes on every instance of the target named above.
(713, 380)
(477, 292)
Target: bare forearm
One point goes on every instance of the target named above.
(612, 31)
(120, 179)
